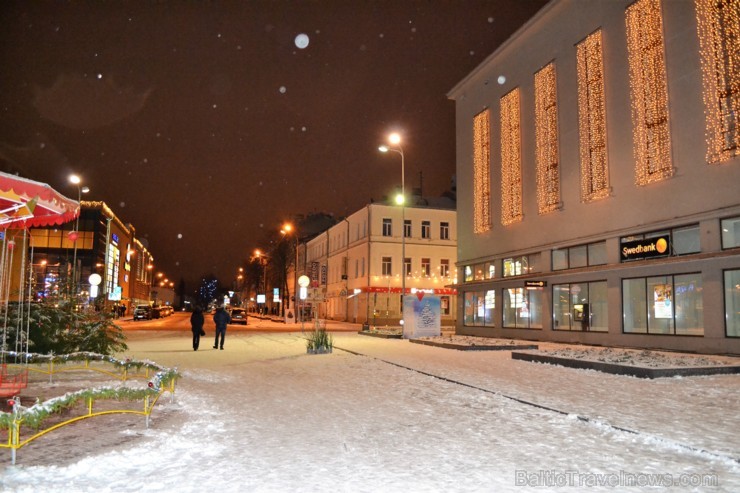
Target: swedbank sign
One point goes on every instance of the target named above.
(659, 246)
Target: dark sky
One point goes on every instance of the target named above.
(205, 126)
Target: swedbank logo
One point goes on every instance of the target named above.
(647, 248)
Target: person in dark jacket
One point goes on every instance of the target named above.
(221, 319)
(196, 325)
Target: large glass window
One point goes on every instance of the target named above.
(683, 240)
(579, 256)
(580, 306)
(516, 266)
(522, 308)
(731, 232)
(479, 307)
(663, 305)
(732, 303)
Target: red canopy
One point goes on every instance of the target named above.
(26, 203)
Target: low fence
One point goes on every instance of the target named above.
(31, 419)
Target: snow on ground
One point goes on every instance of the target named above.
(262, 416)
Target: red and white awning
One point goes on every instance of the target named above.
(26, 203)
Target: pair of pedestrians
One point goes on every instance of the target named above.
(221, 318)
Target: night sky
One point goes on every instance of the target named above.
(206, 125)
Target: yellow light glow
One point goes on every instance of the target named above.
(592, 119)
(481, 173)
(719, 34)
(546, 139)
(511, 159)
(648, 91)
(394, 138)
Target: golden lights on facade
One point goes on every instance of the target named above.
(719, 37)
(546, 139)
(481, 172)
(592, 119)
(511, 159)
(649, 92)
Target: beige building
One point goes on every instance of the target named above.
(356, 264)
(598, 171)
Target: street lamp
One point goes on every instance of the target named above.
(74, 235)
(395, 140)
(285, 231)
(260, 255)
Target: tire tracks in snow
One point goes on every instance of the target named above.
(584, 419)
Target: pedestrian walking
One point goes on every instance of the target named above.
(222, 319)
(196, 325)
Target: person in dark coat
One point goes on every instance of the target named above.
(222, 319)
(196, 325)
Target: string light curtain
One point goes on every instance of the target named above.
(719, 40)
(511, 159)
(648, 91)
(481, 172)
(592, 119)
(546, 139)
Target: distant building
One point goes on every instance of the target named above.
(598, 165)
(103, 245)
(355, 266)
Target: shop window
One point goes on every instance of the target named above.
(468, 269)
(732, 303)
(516, 266)
(686, 240)
(580, 307)
(731, 232)
(670, 305)
(490, 269)
(522, 308)
(579, 256)
(479, 308)
(677, 241)
(444, 305)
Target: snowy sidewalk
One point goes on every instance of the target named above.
(264, 416)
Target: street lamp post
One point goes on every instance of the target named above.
(286, 230)
(395, 140)
(74, 235)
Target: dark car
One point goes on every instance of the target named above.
(238, 316)
(143, 312)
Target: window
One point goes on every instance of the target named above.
(730, 232)
(386, 266)
(426, 229)
(480, 272)
(677, 241)
(719, 31)
(649, 92)
(444, 231)
(592, 119)
(481, 173)
(387, 227)
(426, 267)
(546, 139)
(511, 159)
(516, 266)
(732, 303)
(479, 308)
(407, 266)
(579, 256)
(444, 268)
(522, 308)
(663, 305)
(581, 306)
(444, 305)
(468, 269)
(407, 228)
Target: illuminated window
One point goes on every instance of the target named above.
(719, 37)
(546, 134)
(444, 268)
(649, 92)
(592, 119)
(426, 267)
(481, 173)
(511, 160)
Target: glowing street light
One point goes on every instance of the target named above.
(395, 140)
(73, 235)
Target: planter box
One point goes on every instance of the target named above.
(476, 347)
(321, 350)
(633, 371)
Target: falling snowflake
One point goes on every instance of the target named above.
(100, 76)
(501, 80)
(303, 129)
(179, 236)
(122, 204)
(282, 89)
(301, 41)
(490, 20)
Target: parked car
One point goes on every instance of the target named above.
(238, 316)
(143, 312)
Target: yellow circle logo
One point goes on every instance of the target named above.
(661, 245)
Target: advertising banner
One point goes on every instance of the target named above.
(422, 316)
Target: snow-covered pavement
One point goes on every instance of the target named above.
(389, 415)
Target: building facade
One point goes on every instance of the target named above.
(356, 265)
(99, 243)
(598, 175)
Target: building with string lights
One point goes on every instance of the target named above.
(598, 167)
